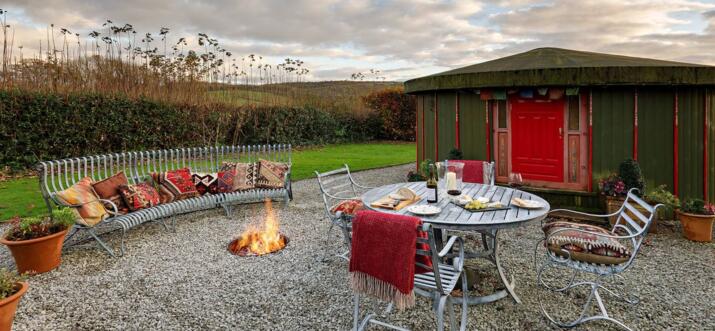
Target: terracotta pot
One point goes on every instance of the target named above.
(38, 255)
(8, 306)
(615, 203)
(697, 227)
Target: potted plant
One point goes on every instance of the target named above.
(670, 202)
(615, 187)
(12, 288)
(697, 217)
(36, 242)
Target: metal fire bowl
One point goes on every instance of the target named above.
(245, 252)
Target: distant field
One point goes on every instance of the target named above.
(21, 197)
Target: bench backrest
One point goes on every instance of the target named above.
(58, 175)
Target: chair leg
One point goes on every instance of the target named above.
(465, 300)
(356, 311)
(103, 244)
(227, 209)
(74, 231)
(440, 312)
(450, 311)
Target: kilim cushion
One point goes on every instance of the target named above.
(225, 177)
(139, 196)
(348, 207)
(205, 183)
(108, 189)
(584, 247)
(271, 174)
(92, 210)
(175, 185)
(244, 175)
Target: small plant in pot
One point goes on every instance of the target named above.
(36, 242)
(670, 202)
(615, 187)
(12, 288)
(697, 217)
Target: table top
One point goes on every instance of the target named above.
(457, 218)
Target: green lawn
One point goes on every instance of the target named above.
(21, 197)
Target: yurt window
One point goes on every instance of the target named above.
(574, 113)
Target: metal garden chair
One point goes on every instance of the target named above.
(631, 227)
(436, 284)
(337, 186)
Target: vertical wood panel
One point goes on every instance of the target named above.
(429, 112)
(612, 128)
(655, 131)
(691, 111)
(419, 129)
(711, 147)
(471, 126)
(447, 117)
(574, 153)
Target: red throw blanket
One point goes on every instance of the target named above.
(473, 171)
(382, 259)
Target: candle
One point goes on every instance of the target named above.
(451, 181)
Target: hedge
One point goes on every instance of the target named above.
(42, 126)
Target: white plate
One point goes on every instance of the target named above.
(424, 210)
(528, 204)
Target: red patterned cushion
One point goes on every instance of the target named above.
(108, 189)
(271, 174)
(205, 183)
(243, 176)
(139, 196)
(348, 207)
(584, 246)
(175, 185)
(224, 180)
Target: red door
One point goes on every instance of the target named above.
(537, 147)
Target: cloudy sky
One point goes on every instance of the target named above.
(403, 39)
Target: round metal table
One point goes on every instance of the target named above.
(486, 223)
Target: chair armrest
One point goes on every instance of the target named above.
(459, 259)
(64, 203)
(340, 198)
(568, 211)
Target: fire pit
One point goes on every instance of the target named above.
(260, 239)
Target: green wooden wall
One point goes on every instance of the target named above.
(418, 133)
(472, 135)
(655, 135)
(711, 147)
(691, 118)
(429, 112)
(447, 115)
(612, 129)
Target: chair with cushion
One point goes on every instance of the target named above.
(341, 197)
(383, 269)
(475, 171)
(593, 250)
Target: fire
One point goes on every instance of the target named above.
(260, 239)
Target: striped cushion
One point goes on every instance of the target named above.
(584, 247)
(92, 211)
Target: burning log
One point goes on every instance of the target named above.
(259, 240)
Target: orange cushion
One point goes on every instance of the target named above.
(584, 247)
(92, 211)
(348, 207)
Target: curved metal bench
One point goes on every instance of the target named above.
(56, 176)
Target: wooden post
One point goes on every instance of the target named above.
(590, 140)
(706, 139)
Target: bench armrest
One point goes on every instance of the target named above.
(64, 203)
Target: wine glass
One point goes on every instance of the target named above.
(515, 180)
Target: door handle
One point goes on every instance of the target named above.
(561, 132)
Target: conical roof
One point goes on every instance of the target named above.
(564, 67)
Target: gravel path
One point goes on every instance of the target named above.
(187, 280)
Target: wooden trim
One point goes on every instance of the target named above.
(456, 120)
(488, 129)
(635, 125)
(436, 127)
(706, 138)
(675, 145)
(590, 140)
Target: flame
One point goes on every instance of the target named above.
(262, 239)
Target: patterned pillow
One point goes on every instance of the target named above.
(139, 196)
(348, 207)
(271, 174)
(175, 185)
(225, 178)
(108, 189)
(205, 183)
(242, 176)
(585, 247)
(92, 211)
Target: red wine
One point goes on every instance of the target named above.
(454, 192)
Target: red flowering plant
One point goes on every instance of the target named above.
(612, 185)
(698, 207)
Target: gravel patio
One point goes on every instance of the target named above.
(188, 280)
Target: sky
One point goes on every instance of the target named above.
(403, 39)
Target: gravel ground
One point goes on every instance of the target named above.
(187, 280)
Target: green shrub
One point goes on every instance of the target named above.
(38, 227)
(396, 112)
(43, 126)
(455, 154)
(630, 172)
(8, 279)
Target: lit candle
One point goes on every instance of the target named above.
(451, 181)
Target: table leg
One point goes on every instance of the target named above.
(509, 285)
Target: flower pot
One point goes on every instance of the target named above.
(697, 227)
(8, 306)
(38, 255)
(615, 203)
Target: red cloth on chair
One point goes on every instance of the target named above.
(382, 258)
(473, 171)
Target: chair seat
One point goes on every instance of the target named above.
(584, 247)
(449, 275)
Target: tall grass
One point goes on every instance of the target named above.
(117, 59)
